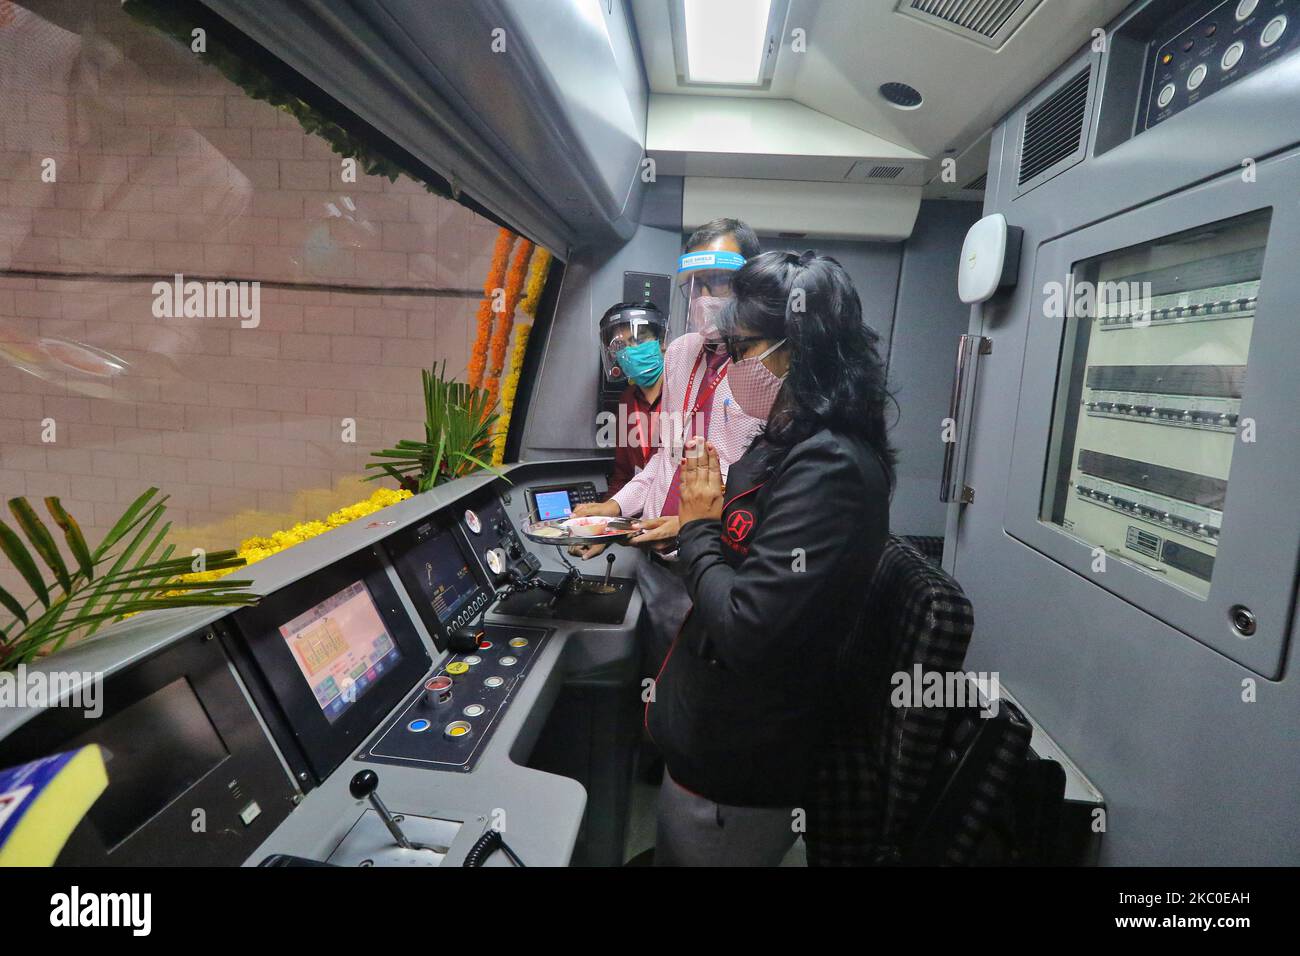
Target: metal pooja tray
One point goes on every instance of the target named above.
(617, 531)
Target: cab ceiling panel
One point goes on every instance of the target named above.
(970, 62)
(537, 111)
(770, 139)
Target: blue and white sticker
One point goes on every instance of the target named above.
(694, 261)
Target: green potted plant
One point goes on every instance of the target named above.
(457, 432)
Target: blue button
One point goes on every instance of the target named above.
(418, 726)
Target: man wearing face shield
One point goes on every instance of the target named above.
(632, 348)
(696, 402)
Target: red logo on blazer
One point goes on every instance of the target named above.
(739, 525)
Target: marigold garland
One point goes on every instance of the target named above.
(256, 548)
(536, 283)
(495, 280)
(504, 325)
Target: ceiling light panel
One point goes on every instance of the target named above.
(727, 43)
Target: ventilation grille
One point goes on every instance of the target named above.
(989, 22)
(878, 170)
(1054, 128)
(979, 182)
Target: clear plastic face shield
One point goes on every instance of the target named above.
(704, 281)
(627, 330)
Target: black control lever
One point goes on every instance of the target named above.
(464, 640)
(609, 568)
(365, 786)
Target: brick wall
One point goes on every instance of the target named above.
(162, 167)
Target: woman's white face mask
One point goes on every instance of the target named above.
(754, 386)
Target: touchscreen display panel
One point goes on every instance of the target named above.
(342, 648)
(553, 504)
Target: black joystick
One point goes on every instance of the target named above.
(365, 786)
(609, 568)
(464, 640)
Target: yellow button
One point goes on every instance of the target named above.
(457, 667)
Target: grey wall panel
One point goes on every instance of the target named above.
(562, 412)
(927, 321)
(873, 267)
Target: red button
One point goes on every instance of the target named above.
(484, 645)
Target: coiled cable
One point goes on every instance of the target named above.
(486, 845)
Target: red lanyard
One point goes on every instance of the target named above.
(643, 426)
(707, 388)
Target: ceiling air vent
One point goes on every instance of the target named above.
(1055, 131)
(989, 22)
(878, 170)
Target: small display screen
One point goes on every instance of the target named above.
(553, 504)
(157, 748)
(342, 648)
(444, 575)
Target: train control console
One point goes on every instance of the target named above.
(449, 718)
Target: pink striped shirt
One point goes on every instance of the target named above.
(730, 429)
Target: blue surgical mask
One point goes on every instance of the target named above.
(643, 363)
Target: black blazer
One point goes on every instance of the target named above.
(743, 701)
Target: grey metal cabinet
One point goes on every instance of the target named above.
(1154, 435)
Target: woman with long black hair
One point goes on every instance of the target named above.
(777, 565)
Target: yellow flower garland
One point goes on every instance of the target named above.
(256, 548)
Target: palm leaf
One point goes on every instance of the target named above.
(39, 535)
(139, 577)
(115, 591)
(457, 430)
(146, 520)
(72, 534)
(17, 553)
(13, 606)
(127, 522)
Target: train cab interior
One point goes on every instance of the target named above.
(319, 325)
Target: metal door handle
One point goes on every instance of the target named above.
(951, 486)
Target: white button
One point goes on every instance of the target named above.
(1198, 76)
(1273, 32)
(1232, 55)
(1245, 8)
(1166, 95)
